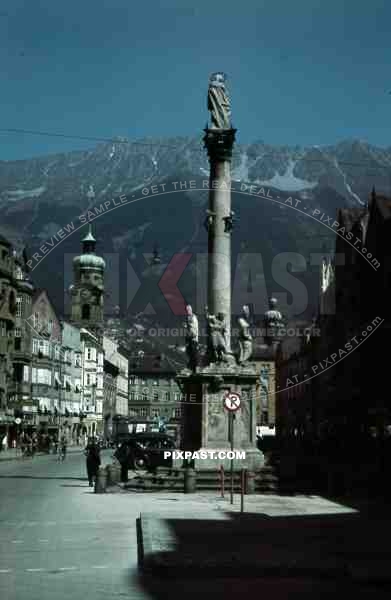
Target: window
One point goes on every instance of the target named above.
(144, 412)
(18, 343)
(42, 376)
(145, 396)
(77, 359)
(167, 396)
(26, 373)
(3, 328)
(18, 373)
(91, 354)
(155, 396)
(44, 347)
(50, 326)
(86, 312)
(132, 396)
(57, 380)
(88, 379)
(155, 413)
(18, 332)
(19, 309)
(18, 273)
(177, 413)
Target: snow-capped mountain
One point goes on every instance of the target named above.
(40, 196)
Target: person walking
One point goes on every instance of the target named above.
(63, 449)
(93, 461)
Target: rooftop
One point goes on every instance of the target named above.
(151, 363)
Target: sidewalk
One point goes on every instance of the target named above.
(15, 454)
(301, 536)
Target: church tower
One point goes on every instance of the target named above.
(87, 291)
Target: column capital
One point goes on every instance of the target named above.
(219, 143)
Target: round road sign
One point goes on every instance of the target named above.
(232, 401)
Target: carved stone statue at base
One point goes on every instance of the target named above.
(217, 345)
(245, 339)
(192, 344)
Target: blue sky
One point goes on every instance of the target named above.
(304, 72)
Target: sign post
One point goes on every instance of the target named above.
(232, 404)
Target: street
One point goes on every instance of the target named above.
(60, 540)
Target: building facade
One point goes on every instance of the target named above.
(42, 413)
(7, 331)
(92, 382)
(116, 384)
(71, 381)
(154, 395)
(20, 391)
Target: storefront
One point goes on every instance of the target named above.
(6, 426)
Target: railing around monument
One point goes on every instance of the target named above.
(244, 476)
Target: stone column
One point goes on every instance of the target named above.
(219, 144)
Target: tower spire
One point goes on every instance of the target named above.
(88, 241)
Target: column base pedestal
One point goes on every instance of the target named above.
(254, 460)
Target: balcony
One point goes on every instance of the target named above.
(23, 355)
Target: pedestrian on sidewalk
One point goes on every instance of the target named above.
(93, 461)
(4, 442)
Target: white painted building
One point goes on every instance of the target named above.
(115, 383)
(92, 382)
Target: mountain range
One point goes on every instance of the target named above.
(40, 196)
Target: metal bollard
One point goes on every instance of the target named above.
(101, 481)
(222, 480)
(243, 477)
(190, 481)
(115, 473)
(250, 482)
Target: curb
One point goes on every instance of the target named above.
(159, 555)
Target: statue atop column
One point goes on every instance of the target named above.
(216, 330)
(245, 339)
(218, 102)
(192, 333)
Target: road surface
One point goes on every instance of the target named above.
(60, 540)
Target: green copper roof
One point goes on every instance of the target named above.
(89, 261)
